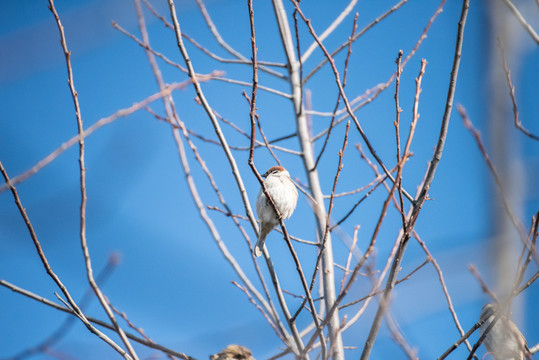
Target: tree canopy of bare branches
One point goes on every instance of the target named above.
(417, 183)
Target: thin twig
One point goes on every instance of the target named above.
(528, 283)
(139, 330)
(226, 212)
(354, 27)
(375, 293)
(330, 208)
(266, 143)
(462, 339)
(407, 223)
(529, 29)
(396, 123)
(363, 188)
(510, 213)
(444, 287)
(396, 332)
(349, 259)
(484, 287)
(518, 124)
(264, 314)
(330, 29)
(257, 142)
(363, 198)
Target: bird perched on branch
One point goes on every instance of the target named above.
(233, 352)
(504, 341)
(285, 196)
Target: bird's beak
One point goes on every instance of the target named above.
(264, 175)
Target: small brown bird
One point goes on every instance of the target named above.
(284, 195)
(504, 341)
(233, 352)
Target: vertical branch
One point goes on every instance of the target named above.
(332, 196)
(529, 29)
(313, 178)
(518, 124)
(352, 247)
(332, 123)
(398, 111)
(422, 195)
(252, 102)
(83, 240)
(252, 115)
(444, 288)
(477, 136)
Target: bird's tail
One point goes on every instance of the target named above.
(264, 231)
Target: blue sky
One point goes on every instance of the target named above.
(172, 280)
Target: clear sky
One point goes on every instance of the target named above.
(172, 280)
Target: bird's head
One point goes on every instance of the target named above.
(276, 171)
(487, 311)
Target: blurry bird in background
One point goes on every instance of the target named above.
(504, 341)
(233, 352)
(285, 196)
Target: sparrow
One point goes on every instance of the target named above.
(233, 352)
(504, 341)
(285, 196)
